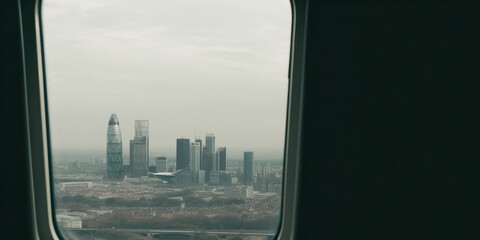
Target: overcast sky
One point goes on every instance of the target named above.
(201, 66)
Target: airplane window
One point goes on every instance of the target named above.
(167, 118)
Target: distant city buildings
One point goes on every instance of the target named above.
(240, 192)
(198, 160)
(114, 149)
(138, 156)
(139, 149)
(210, 141)
(204, 165)
(269, 183)
(248, 168)
(201, 176)
(225, 178)
(75, 185)
(161, 164)
(199, 141)
(222, 158)
(142, 130)
(214, 177)
(208, 155)
(194, 160)
(266, 169)
(66, 221)
(183, 153)
(206, 162)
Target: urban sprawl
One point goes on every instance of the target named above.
(202, 194)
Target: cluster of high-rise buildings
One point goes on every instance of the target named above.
(139, 150)
(205, 163)
(198, 162)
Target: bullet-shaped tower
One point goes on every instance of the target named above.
(114, 149)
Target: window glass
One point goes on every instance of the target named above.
(167, 118)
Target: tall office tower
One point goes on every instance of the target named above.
(210, 142)
(222, 158)
(183, 153)
(138, 156)
(114, 149)
(198, 140)
(209, 155)
(206, 162)
(141, 130)
(161, 164)
(248, 168)
(139, 149)
(194, 160)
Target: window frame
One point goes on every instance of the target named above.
(38, 128)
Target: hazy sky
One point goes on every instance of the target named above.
(216, 66)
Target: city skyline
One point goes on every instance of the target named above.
(236, 154)
(142, 129)
(188, 158)
(188, 154)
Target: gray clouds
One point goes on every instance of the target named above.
(213, 66)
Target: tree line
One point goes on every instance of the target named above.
(195, 221)
(82, 203)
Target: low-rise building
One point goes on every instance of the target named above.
(73, 185)
(239, 192)
(69, 221)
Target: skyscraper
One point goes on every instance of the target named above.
(141, 130)
(222, 158)
(198, 140)
(114, 149)
(139, 156)
(139, 149)
(206, 162)
(183, 153)
(248, 168)
(210, 142)
(194, 160)
(208, 155)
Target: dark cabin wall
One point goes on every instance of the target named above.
(391, 133)
(16, 212)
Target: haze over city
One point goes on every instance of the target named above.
(185, 71)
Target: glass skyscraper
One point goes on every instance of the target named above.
(141, 130)
(202, 165)
(210, 141)
(114, 149)
(183, 153)
(194, 160)
(222, 158)
(248, 168)
(208, 155)
(139, 149)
